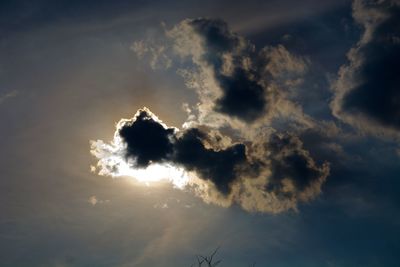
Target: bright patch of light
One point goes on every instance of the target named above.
(112, 162)
(156, 173)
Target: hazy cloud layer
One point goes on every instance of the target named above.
(367, 93)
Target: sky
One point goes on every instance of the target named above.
(147, 133)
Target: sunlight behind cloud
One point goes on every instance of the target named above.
(157, 173)
(113, 162)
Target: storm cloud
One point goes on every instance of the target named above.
(367, 93)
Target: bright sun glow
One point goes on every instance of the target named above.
(113, 163)
(156, 173)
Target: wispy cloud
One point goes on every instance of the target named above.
(8, 95)
(93, 200)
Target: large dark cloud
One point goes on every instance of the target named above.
(233, 80)
(234, 63)
(368, 89)
(149, 141)
(243, 95)
(273, 169)
(221, 167)
(239, 89)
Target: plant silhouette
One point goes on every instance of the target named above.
(208, 261)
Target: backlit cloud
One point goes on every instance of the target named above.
(367, 93)
(268, 175)
(227, 151)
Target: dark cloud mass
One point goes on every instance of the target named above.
(221, 167)
(149, 141)
(282, 170)
(234, 63)
(146, 140)
(368, 90)
(243, 98)
(293, 165)
(233, 79)
(262, 170)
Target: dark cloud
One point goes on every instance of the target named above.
(243, 97)
(239, 89)
(243, 94)
(234, 80)
(221, 167)
(294, 172)
(368, 92)
(149, 141)
(254, 174)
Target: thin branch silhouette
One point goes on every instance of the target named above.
(208, 261)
